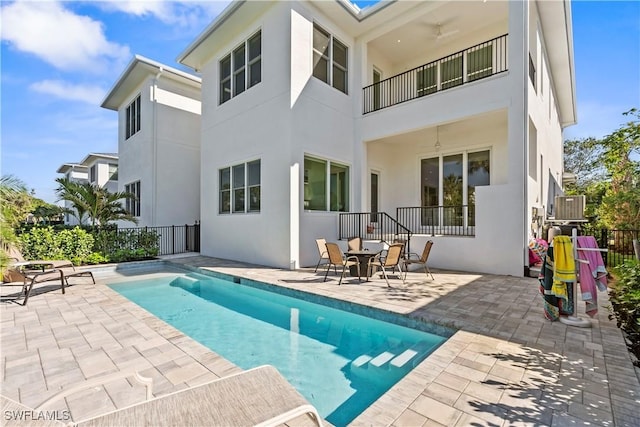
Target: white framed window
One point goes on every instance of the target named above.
(132, 113)
(326, 185)
(242, 68)
(448, 184)
(113, 172)
(330, 59)
(132, 204)
(240, 188)
(93, 174)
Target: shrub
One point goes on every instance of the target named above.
(45, 243)
(127, 245)
(625, 302)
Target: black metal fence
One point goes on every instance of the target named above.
(477, 62)
(619, 244)
(373, 226)
(172, 239)
(439, 220)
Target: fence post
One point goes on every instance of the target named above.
(186, 237)
(173, 239)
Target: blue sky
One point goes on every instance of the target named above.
(59, 59)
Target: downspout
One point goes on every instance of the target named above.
(154, 155)
(525, 151)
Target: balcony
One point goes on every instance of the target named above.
(474, 63)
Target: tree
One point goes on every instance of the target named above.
(15, 203)
(608, 174)
(97, 203)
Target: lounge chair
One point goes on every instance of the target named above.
(421, 260)
(336, 257)
(391, 260)
(257, 397)
(27, 279)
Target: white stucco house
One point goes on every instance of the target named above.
(102, 170)
(427, 120)
(75, 172)
(158, 141)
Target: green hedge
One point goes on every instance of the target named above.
(625, 303)
(88, 247)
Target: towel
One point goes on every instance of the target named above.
(593, 274)
(564, 267)
(553, 306)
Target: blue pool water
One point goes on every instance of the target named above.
(341, 362)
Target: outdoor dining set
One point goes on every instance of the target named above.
(363, 262)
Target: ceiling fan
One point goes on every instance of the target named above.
(440, 34)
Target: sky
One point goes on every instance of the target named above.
(58, 60)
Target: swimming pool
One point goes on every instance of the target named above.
(340, 361)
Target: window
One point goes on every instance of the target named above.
(241, 69)
(133, 118)
(532, 71)
(427, 80)
(326, 185)
(113, 172)
(330, 59)
(132, 205)
(93, 174)
(479, 63)
(236, 182)
(443, 183)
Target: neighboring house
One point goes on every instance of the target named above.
(102, 170)
(447, 116)
(73, 172)
(158, 141)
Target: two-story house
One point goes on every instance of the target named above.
(158, 142)
(102, 170)
(445, 116)
(77, 173)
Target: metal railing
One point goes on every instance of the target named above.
(439, 220)
(471, 64)
(171, 239)
(373, 226)
(619, 244)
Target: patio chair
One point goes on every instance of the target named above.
(322, 251)
(336, 257)
(354, 244)
(390, 260)
(257, 397)
(422, 260)
(31, 266)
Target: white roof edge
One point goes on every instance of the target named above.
(99, 156)
(66, 166)
(219, 20)
(572, 70)
(139, 59)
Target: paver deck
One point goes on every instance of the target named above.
(506, 365)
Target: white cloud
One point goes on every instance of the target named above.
(74, 92)
(183, 13)
(58, 36)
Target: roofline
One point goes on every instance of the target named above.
(98, 156)
(569, 28)
(65, 166)
(161, 68)
(357, 13)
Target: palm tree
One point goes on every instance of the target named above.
(100, 205)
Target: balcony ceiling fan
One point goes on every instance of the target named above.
(442, 34)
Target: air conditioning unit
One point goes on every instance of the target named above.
(570, 208)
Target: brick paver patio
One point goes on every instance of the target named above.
(505, 366)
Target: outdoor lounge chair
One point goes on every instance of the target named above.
(256, 397)
(391, 260)
(422, 260)
(336, 257)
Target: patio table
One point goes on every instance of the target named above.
(363, 257)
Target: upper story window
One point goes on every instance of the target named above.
(113, 172)
(133, 118)
(330, 59)
(93, 174)
(532, 71)
(242, 68)
(240, 188)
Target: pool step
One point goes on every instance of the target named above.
(189, 284)
(382, 359)
(410, 354)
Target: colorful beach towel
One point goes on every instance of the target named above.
(593, 274)
(564, 267)
(553, 306)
